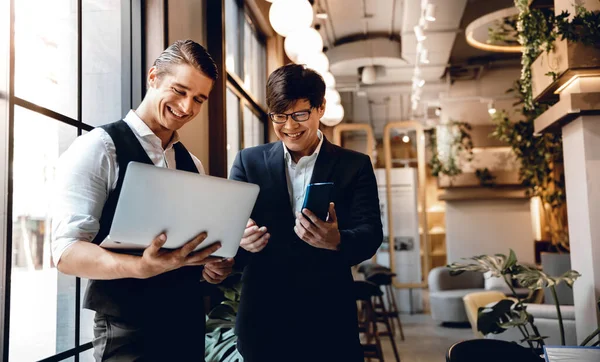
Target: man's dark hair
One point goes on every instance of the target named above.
(291, 83)
(187, 52)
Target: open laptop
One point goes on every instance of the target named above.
(181, 204)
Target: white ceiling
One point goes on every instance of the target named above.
(386, 37)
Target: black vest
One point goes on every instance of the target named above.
(139, 299)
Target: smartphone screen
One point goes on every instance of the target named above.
(317, 198)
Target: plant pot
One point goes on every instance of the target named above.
(556, 264)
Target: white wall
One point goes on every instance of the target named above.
(489, 227)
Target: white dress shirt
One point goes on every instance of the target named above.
(87, 172)
(298, 175)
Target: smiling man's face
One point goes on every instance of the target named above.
(178, 95)
(300, 138)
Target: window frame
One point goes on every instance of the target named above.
(235, 82)
(132, 40)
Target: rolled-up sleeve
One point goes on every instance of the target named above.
(85, 174)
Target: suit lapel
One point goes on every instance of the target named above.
(275, 164)
(325, 163)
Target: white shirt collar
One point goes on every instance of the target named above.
(143, 131)
(288, 157)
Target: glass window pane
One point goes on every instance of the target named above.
(87, 356)
(254, 63)
(86, 325)
(253, 129)
(232, 35)
(42, 312)
(102, 60)
(46, 54)
(259, 133)
(233, 128)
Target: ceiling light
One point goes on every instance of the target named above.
(438, 111)
(430, 12)
(369, 74)
(424, 56)
(419, 33)
(421, 83)
(332, 96)
(361, 93)
(405, 139)
(305, 40)
(290, 15)
(329, 80)
(316, 61)
(333, 115)
(322, 16)
(491, 108)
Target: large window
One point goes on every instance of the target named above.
(246, 62)
(73, 62)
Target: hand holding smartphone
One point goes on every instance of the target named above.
(317, 198)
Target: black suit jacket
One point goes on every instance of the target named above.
(296, 297)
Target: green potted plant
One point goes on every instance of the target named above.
(512, 313)
(220, 340)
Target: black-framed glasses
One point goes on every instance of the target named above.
(281, 118)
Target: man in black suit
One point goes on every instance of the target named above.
(297, 301)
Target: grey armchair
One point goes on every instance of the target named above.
(446, 293)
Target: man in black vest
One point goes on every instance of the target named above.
(149, 307)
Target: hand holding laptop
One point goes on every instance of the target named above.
(157, 260)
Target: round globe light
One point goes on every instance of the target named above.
(329, 80)
(316, 61)
(332, 96)
(305, 40)
(333, 115)
(289, 15)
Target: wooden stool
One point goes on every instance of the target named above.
(391, 312)
(367, 319)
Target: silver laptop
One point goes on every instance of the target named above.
(181, 204)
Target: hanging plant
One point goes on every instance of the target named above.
(538, 30)
(448, 160)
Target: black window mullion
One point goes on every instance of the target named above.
(80, 121)
(6, 264)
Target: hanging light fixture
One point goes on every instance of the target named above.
(419, 33)
(405, 139)
(333, 115)
(491, 108)
(424, 56)
(316, 61)
(289, 15)
(332, 96)
(369, 74)
(305, 40)
(430, 12)
(329, 80)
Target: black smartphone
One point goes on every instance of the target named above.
(317, 198)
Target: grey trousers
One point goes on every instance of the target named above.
(117, 340)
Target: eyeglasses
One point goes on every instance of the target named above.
(281, 118)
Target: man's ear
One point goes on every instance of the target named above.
(322, 108)
(152, 77)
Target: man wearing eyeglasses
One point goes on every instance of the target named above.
(297, 301)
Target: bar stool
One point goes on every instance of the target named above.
(367, 319)
(384, 315)
(391, 313)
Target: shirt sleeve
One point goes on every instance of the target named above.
(85, 175)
